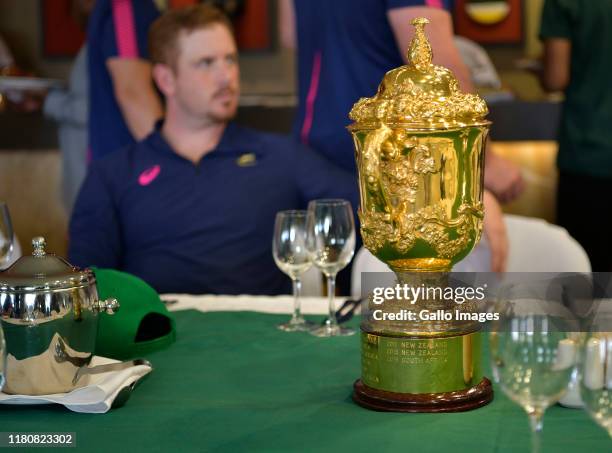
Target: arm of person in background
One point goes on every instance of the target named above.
(135, 94)
(554, 74)
(502, 177)
(95, 231)
(495, 230)
(286, 24)
(125, 50)
(555, 32)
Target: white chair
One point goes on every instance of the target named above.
(535, 246)
(312, 283)
(538, 246)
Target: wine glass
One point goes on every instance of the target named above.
(6, 235)
(532, 353)
(291, 256)
(595, 369)
(331, 244)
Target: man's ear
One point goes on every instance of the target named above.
(164, 79)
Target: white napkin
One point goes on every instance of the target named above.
(95, 398)
(261, 304)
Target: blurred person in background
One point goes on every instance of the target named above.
(482, 70)
(6, 58)
(69, 107)
(577, 37)
(6, 63)
(16, 99)
(124, 104)
(191, 208)
(344, 48)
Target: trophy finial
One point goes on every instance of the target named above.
(420, 53)
(39, 243)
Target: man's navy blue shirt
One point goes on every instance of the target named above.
(204, 228)
(116, 29)
(345, 47)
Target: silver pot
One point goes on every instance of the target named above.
(50, 320)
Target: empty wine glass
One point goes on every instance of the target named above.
(595, 370)
(331, 243)
(291, 256)
(532, 353)
(6, 235)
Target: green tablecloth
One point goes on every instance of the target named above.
(232, 382)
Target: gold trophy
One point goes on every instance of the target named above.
(420, 153)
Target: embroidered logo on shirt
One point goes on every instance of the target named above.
(149, 175)
(246, 160)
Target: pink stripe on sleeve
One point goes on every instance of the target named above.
(312, 97)
(125, 29)
(434, 3)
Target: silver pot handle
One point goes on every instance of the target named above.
(109, 306)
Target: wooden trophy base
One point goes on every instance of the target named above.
(457, 401)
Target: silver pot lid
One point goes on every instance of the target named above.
(42, 271)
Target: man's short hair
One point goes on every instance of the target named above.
(165, 31)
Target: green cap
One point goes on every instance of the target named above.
(142, 324)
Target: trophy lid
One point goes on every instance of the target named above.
(41, 271)
(419, 95)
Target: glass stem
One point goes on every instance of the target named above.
(297, 306)
(331, 291)
(535, 421)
